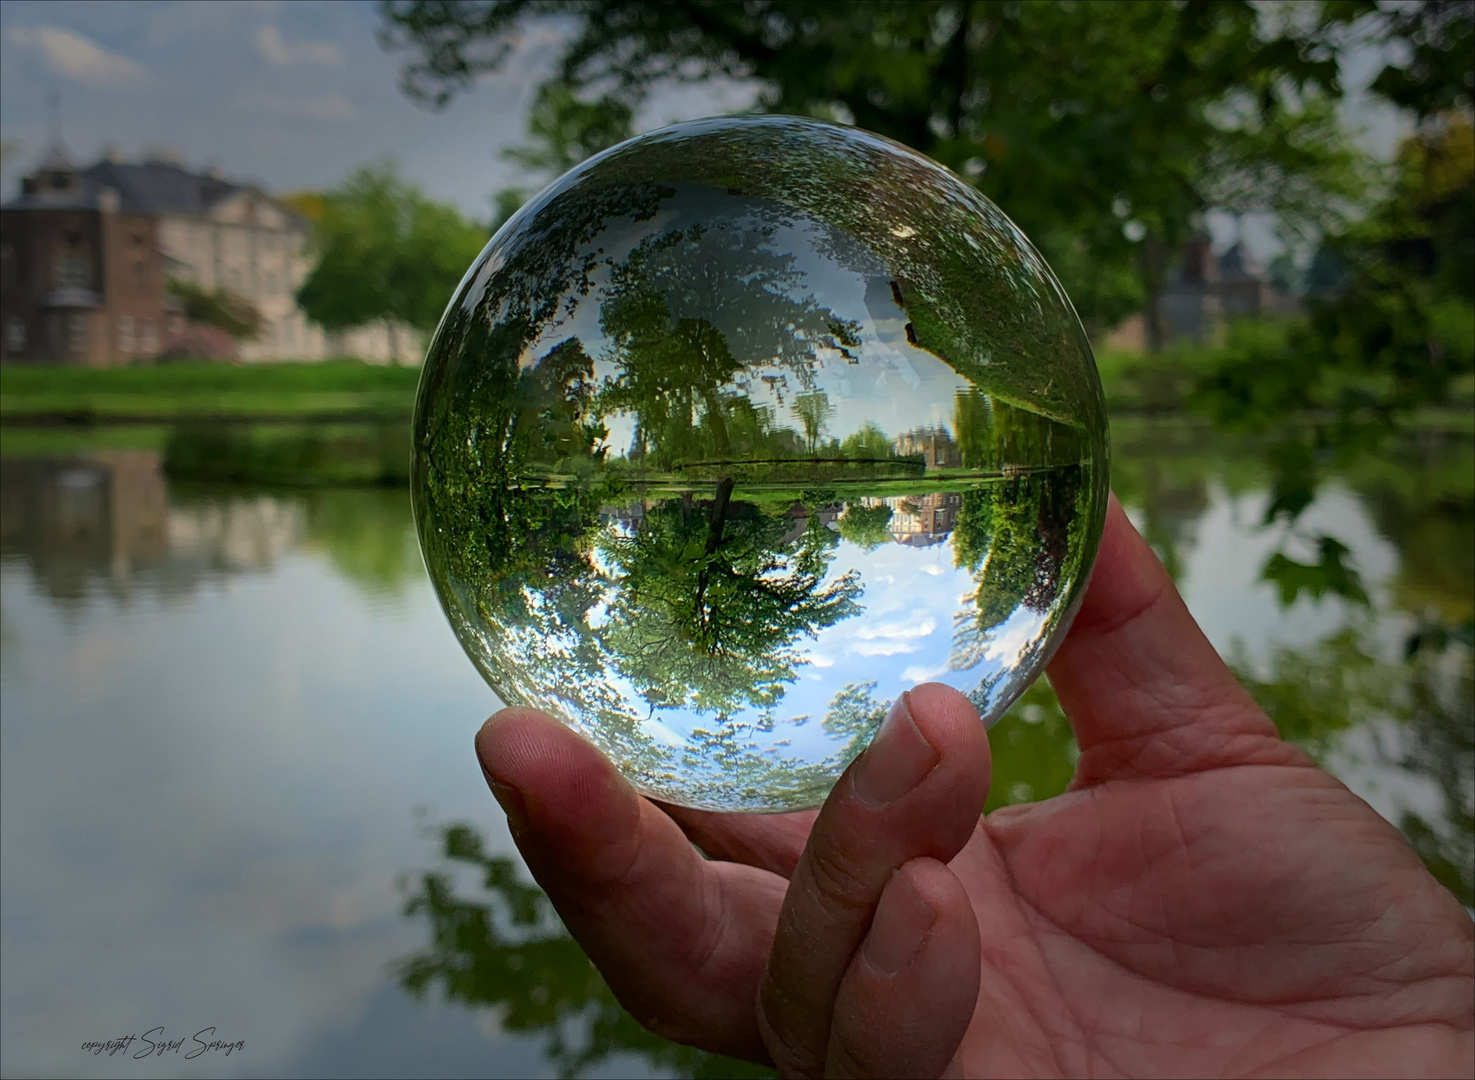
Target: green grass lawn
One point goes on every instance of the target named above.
(198, 390)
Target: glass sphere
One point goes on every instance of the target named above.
(740, 429)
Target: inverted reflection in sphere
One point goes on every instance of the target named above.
(743, 427)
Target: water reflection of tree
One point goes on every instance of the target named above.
(1417, 712)
(504, 949)
(366, 535)
(714, 595)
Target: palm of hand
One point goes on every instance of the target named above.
(1212, 922)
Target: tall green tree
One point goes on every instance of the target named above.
(1104, 130)
(385, 252)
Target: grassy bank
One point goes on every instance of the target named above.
(345, 389)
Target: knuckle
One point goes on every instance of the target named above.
(841, 882)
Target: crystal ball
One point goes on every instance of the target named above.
(740, 429)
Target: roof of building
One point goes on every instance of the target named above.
(149, 187)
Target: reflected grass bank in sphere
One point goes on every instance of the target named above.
(741, 428)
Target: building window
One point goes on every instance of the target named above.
(72, 273)
(125, 334)
(77, 333)
(7, 265)
(15, 333)
(148, 338)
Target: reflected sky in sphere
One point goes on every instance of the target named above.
(740, 429)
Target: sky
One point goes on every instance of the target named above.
(294, 95)
(289, 95)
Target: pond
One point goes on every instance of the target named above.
(239, 794)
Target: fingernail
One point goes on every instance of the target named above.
(511, 801)
(896, 761)
(899, 928)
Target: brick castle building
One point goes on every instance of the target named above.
(86, 256)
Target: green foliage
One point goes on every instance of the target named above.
(713, 598)
(1329, 574)
(1079, 119)
(295, 455)
(567, 130)
(233, 314)
(385, 252)
(502, 947)
(865, 526)
(869, 443)
(1437, 75)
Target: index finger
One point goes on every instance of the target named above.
(1145, 691)
(915, 793)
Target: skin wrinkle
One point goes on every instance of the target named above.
(1149, 862)
(1049, 924)
(1089, 1045)
(720, 920)
(1054, 1042)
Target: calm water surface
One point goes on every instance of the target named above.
(238, 788)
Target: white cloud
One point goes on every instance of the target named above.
(921, 673)
(192, 19)
(884, 648)
(332, 106)
(893, 632)
(279, 53)
(1020, 631)
(69, 54)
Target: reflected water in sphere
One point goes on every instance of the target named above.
(740, 429)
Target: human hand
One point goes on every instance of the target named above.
(1203, 900)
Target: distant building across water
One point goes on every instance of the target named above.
(1201, 293)
(935, 446)
(86, 256)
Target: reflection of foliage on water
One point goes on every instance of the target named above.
(1318, 695)
(292, 454)
(366, 535)
(505, 950)
(713, 597)
(1033, 749)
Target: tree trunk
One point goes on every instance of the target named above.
(1154, 261)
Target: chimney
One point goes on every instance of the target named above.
(108, 200)
(215, 172)
(113, 155)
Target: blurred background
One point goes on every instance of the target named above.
(238, 789)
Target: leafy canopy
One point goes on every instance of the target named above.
(1102, 129)
(385, 251)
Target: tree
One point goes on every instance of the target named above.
(385, 252)
(713, 598)
(1103, 130)
(235, 315)
(865, 526)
